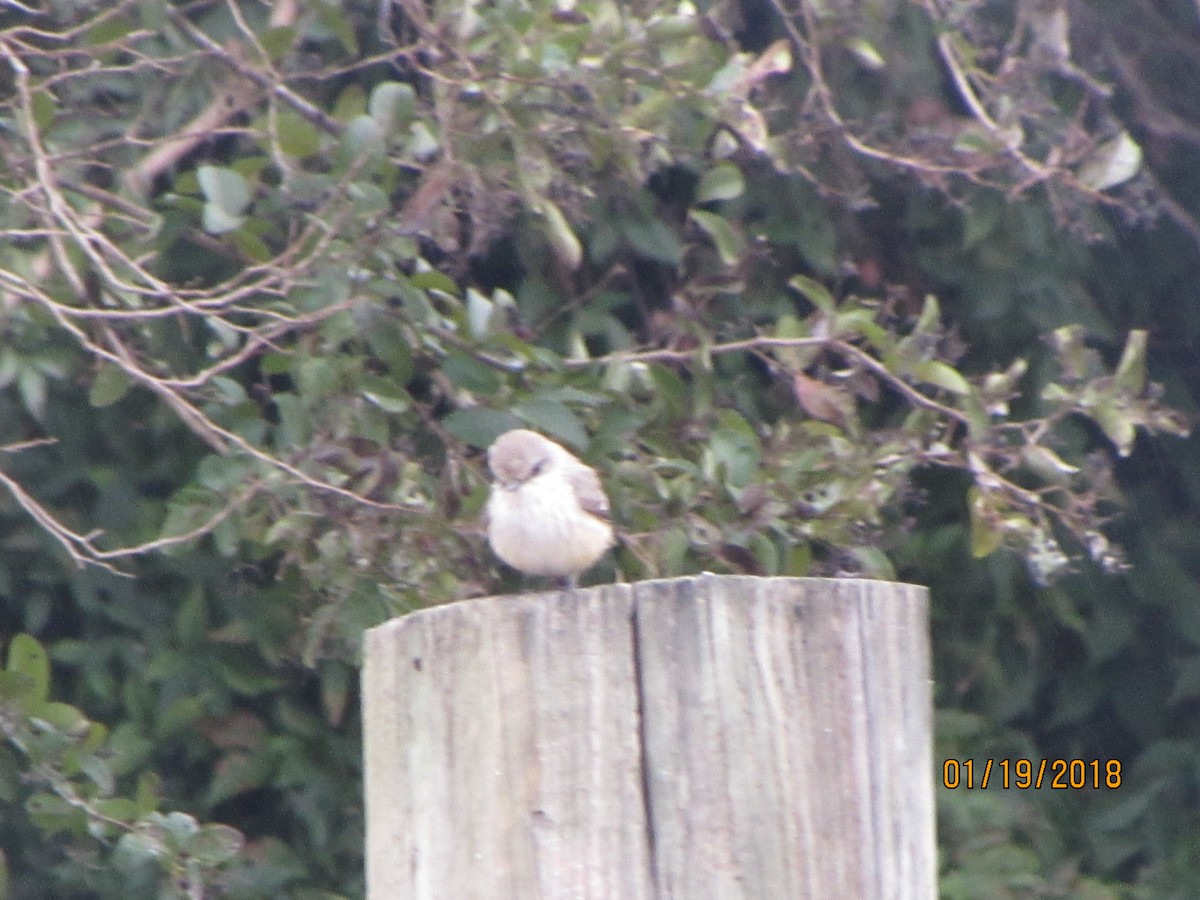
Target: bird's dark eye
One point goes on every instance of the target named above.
(537, 467)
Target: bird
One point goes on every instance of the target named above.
(547, 514)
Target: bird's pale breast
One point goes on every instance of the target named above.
(539, 528)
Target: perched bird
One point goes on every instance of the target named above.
(547, 513)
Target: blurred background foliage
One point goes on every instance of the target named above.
(893, 289)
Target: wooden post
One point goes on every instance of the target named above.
(692, 738)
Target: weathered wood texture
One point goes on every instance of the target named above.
(693, 738)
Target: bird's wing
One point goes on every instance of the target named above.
(588, 491)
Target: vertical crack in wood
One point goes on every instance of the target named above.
(640, 688)
(876, 775)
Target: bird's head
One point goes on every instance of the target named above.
(519, 455)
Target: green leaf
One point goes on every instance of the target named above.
(316, 377)
(977, 138)
(422, 142)
(980, 219)
(1131, 370)
(815, 292)
(180, 715)
(369, 199)
(930, 318)
(334, 18)
(27, 658)
(217, 221)
(864, 51)
(1116, 422)
(652, 239)
(99, 769)
(110, 385)
(215, 844)
(62, 717)
(730, 245)
(798, 562)
(479, 426)
(351, 102)
(468, 372)
(603, 241)
(179, 826)
(147, 795)
(942, 375)
(298, 137)
(391, 105)
(278, 41)
(52, 814)
(238, 773)
(557, 229)
(120, 808)
(243, 673)
(789, 326)
(228, 392)
(874, 563)
(555, 419)
(433, 280)
(363, 137)
(224, 188)
(766, 553)
(107, 31)
(135, 849)
(735, 449)
(1127, 806)
(480, 314)
(387, 396)
(1168, 421)
(389, 343)
(222, 473)
(673, 546)
(723, 181)
(191, 614)
(1113, 163)
(252, 246)
(986, 535)
(670, 389)
(1047, 464)
(31, 385)
(43, 106)
(863, 321)
(651, 110)
(335, 690)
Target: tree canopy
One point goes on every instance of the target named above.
(888, 289)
